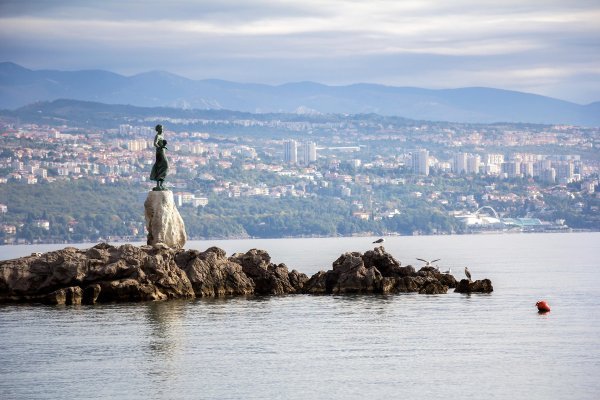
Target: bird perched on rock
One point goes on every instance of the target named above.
(428, 263)
(467, 273)
(448, 271)
(380, 240)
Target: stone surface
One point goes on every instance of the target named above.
(102, 274)
(213, 275)
(163, 222)
(106, 273)
(377, 271)
(478, 286)
(269, 278)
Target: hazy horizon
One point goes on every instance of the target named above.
(541, 47)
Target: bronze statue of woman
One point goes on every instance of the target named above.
(161, 165)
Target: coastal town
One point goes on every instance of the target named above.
(482, 177)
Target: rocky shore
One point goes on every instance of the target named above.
(106, 273)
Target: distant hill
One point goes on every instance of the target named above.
(100, 115)
(20, 86)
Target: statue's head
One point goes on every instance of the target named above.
(158, 128)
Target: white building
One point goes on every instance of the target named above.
(495, 159)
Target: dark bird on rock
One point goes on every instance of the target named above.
(380, 240)
(467, 273)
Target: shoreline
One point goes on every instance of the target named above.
(141, 239)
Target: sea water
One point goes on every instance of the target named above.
(331, 347)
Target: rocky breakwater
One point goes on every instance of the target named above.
(377, 271)
(108, 273)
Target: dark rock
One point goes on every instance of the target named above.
(433, 287)
(317, 284)
(410, 284)
(448, 280)
(478, 286)
(73, 295)
(90, 294)
(429, 272)
(351, 274)
(106, 273)
(383, 261)
(409, 270)
(113, 273)
(268, 278)
(213, 275)
(297, 280)
(57, 297)
(377, 272)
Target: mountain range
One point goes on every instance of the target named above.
(20, 86)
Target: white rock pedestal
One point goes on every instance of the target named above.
(163, 222)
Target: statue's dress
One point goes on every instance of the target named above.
(161, 165)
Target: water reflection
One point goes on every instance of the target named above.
(164, 319)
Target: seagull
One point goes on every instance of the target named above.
(380, 240)
(449, 271)
(428, 263)
(467, 273)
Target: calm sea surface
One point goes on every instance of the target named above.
(331, 347)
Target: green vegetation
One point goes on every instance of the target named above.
(76, 211)
(83, 211)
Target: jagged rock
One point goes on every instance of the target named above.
(429, 272)
(212, 274)
(409, 270)
(377, 271)
(352, 276)
(297, 280)
(410, 284)
(317, 284)
(268, 278)
(478, 286)
(433, 287)
(448, 280)
(57, 297)
(106, 273)
(383, 261)
(74, 295)
(163, 222)
(90, 294)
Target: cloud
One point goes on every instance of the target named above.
(385, 41)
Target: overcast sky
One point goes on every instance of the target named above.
(542, 46)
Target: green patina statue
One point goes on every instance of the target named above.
(161, 165)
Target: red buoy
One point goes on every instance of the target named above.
(542, 306)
